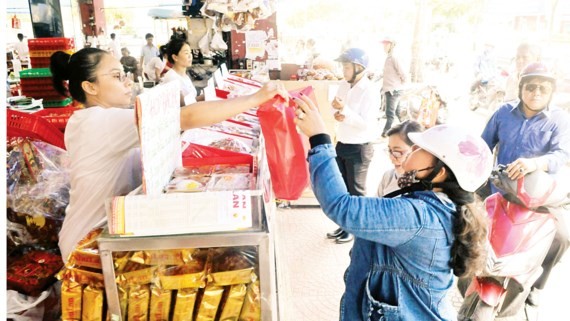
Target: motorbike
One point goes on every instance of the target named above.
(488, 94)
(423, 104)
(521, 230)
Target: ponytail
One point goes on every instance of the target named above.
(469, 249)
(76, 69)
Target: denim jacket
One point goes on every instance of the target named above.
(399, 267)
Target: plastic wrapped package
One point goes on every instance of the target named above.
(138, 302)
(232, 302)
(251, 310)
(33, 272)
(160, 300)
(234, 265)
(92, 304)
(185, 302)
(209, 301)
(37, 191)
(200, 159)
(71, 296)
(214, 182)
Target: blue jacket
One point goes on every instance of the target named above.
(399, 267)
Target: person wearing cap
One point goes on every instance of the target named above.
(531, 134)
(412, 244)
(526, 53)
(356, 107)
(392, 81)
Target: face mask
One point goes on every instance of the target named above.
(409, 178)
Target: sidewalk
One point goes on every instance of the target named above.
(310, 271)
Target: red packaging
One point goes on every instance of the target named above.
(33, 272)
(286, 148)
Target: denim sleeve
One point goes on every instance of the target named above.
(559, 153)
(384, 220)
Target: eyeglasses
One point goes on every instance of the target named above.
(543, 89)
(120, 76)
(396, 153)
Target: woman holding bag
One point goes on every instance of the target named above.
(417, 240)
(102, 139)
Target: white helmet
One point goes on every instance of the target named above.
(467, 155)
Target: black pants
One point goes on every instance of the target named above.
(353, 161)
(559, 246)
(392, 108)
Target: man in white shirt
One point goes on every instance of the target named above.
(148, 51)
(22, 48)
(356, 110)
(156, 65)
(115, 46)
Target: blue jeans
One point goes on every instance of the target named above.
(392, 108)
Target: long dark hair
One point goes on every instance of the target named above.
(174, 46)
(76, 68)
(469, 251)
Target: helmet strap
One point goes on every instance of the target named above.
(355, 73)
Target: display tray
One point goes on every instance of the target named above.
(212, 269)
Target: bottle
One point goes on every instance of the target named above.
(301, 72)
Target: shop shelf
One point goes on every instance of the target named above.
(35, 73)
(19, 124)
(47, 53)
(57, 116)
(51, 44)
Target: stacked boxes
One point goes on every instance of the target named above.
(41, 49)
(37, 83)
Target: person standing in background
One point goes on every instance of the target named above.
(156, 65)
(22, 48)
(356, 108)
(114, 46)
(526, 53)
(393, 80)
(130, 63)
(148, 51)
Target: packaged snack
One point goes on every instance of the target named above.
(232, 266)
(87, 257)
(163, 257)
(159, 304)
(196, 183)
(191, 275)
(232, 182)
(209, 303)
(184, 307)
(251, 310)
(137, 277)
(33, 272)
(71, 295)
(92, 304)
(232, 302)
(137, 307)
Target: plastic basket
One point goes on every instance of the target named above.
(40, 62)
(41, 81)
(57, 116)
(51, 44)
(35, 73)
(45, 95)
(46, 53)
(57, 103)
(19, 124)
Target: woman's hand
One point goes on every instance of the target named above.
(308, 118)
(270, 90)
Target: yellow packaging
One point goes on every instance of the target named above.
(184, 276)
(231, 277)
(251, 310)
(184, 307)
(88, 257)
(94, 279)
(92, 308)
(90, 240)
(144, 276)
(163, 257)
(139, 297)
(120, 260)
(159, 304)
(123, 299)
(233, 302)
(71, 295)
(209, 303)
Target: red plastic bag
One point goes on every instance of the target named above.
(286, 148)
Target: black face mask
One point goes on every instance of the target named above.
(409, 178)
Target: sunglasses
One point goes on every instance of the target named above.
(543, 89)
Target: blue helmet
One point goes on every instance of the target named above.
(355, 56)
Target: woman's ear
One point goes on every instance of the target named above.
(441, 176)
(89, 88)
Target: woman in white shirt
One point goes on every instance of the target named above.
(180, 56)
(102, 139)
(156, 65)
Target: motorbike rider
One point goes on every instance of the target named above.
(530, 135)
